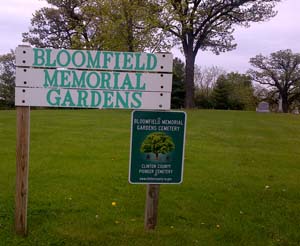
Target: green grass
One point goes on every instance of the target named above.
(79, 166)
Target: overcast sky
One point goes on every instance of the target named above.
(281, 32)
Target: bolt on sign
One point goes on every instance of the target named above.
(92, 79)
(157, 147)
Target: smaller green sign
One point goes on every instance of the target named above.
(157, 147)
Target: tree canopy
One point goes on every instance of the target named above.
(130, 26)
(208, 25)
(280, 72)
(7, 80)
(125, 25)
(147, 25)
(233, 91)
(205, 80)
(157, 143)
(66, 24)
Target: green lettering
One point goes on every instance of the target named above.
(95, 99)
(82, 96)
(39, 58)
(63, 58)
(119, 99)
(127, 83)
(105, 80)
(116, 81)
(136, 100)
(108, 99)
(117, 64)
(50, 97)
(50, 81)
(68, 101)
(90, 80)
(151, 61)
(48, 55)
(107, 55)
(128, 61)
(138, 82)
(93, 62)
(78, 82)
(138, 66)
(77, 60)
(64, 77)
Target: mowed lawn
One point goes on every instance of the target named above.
(241, 181)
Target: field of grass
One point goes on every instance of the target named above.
(241, 181)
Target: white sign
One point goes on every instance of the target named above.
(92, 79)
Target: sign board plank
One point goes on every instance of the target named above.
(96, 80)
(59, 97)
(95, 60)
(157, 147)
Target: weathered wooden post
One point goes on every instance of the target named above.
(151, 208)
(22, 168)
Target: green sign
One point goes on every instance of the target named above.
(157, 147)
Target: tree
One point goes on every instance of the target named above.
(130, 26)
(7, 80)
(208, 24)
(157, 143)
(234, 91)
(66, 24)
(242, 92)
(221, 93)
(177, 95)
(205, 80)
(280, 72)
(100, 24)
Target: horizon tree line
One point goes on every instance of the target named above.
(154, 26)
(273, 78)
(147, 25)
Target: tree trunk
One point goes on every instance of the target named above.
(285, 103)
(156, 156)
(189, 80)
(129, 26)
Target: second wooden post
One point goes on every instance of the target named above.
(151, 209)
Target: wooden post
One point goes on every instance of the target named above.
(22, 167)
(151, 209)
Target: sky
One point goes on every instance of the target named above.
(281, 32)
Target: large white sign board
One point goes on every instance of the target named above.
(92, 79)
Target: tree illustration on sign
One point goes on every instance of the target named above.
(157, 143)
